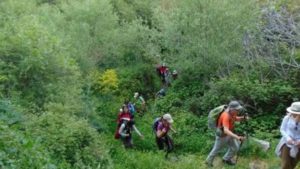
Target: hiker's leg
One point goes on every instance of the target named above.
(219, 143)
(233, 147)
(286, 160)
(123, 139)
(128, 142)
(169, 143)
(297, 159)
(160, 143)
(294, 161)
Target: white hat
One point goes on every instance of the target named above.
(294, 108)
(136, 94)
(168, 117)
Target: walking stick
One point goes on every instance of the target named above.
(237, 154)
(246, 134)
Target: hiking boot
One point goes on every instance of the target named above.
(208, 164)
(229, 162)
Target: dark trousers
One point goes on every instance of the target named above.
(127, 142)
(288, 162)
(166, 140)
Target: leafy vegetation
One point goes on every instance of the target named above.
(66, 68)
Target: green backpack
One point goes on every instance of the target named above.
(214, 115)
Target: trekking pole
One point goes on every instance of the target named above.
(245, 134)
(237, 154)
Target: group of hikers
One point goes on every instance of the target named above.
(287, 148)
(165, 74)
(126, 125)
(223, 121)
(161, 125)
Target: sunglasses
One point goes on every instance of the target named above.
(296, 127)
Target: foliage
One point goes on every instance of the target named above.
(258, 97)
(66, 67)
(70, 140)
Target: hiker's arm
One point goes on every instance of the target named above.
(143, 100)
(121, 131)
(230, 133)
(240, 118)
(173, 129)
(283, 129)
(137, 131)
(160, 133)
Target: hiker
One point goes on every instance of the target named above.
(167, 77)
(288, 147)
(225, 122)
(125, 130)
(174, 74)
(163, 72)
(139, 103)
(161, 129)
(124, 113)
(161, 93)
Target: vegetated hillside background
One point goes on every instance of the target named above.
(66, 67)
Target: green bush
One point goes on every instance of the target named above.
(69, 139)
(258, 97)
(141, 78)
(22, 151)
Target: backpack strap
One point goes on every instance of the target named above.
(219, 115)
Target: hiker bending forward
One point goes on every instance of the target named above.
(162, 137)
(125, 131)
(227, 137)
(288, 147)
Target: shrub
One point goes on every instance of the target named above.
(69, 139)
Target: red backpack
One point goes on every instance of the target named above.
(119, 120)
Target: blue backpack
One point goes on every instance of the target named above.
(131, 108)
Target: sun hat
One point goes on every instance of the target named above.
(294, 108)
(235, 105)
(168, 117)
(136, 94)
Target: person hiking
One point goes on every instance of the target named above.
(161, 93)
(174, 74)
(125, 131)
(161, 132)
(163, 72)
(227, 138)
(139, 103)
(124, 113)
(288, 146)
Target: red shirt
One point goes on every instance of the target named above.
(163, 69)
(227, 120)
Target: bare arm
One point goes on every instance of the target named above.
(121, 131)
(137, 131)
(231, 134)
(160, 133)
(173, 129)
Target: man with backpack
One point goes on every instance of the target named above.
(125, 132)
(225, 135)
(161, 128)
